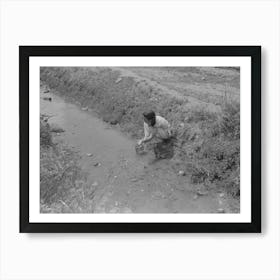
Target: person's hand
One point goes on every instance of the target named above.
(140, 142)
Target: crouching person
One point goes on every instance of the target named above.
(158, 129)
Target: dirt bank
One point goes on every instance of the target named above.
(202, 105)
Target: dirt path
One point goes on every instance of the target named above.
(125, 182)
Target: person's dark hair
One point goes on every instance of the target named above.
(151, 116)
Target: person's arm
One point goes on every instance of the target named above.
(148, 135)
(148, 138)
(169, 129)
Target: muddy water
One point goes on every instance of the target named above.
(125, 182)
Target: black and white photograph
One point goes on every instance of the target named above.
(140, 140)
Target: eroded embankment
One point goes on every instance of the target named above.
(208, 135)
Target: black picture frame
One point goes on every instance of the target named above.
(25, 52)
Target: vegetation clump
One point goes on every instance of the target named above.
(63, 186)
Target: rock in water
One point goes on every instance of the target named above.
(195, 197)
(201, 193)
(181, 173)
(118, 80)
(56, 128)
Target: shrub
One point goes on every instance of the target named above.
(210, 147)
(230, 119)
(63, 185)
(45, 133)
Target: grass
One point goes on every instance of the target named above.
(63, 186)
(208, 141)
(210, 148)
